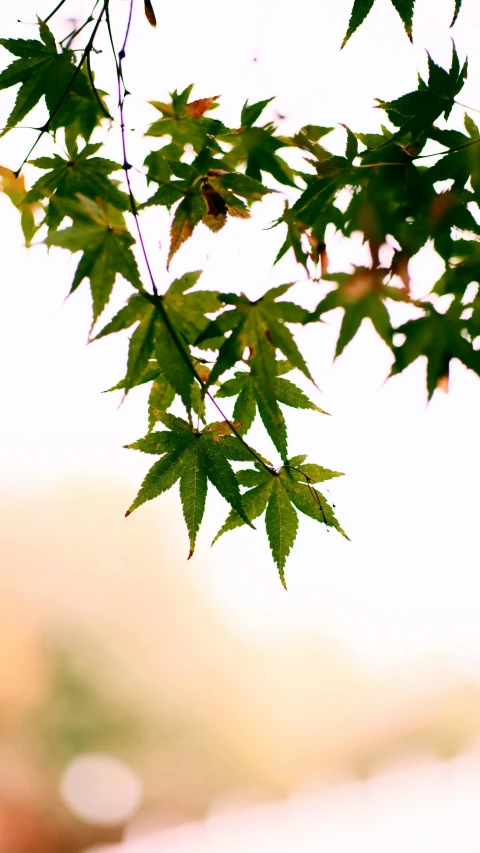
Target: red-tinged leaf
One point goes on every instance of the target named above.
(150, 14)
(187, 215)
(216, 214)
(196, 109)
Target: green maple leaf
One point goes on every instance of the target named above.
(250, 398)
(80, 173)
(405, 8)
(101, 234)
(415, 112)
(315, 205)
(280, 495)
(187, 308)
(194, 458)
(439, 337)
(464, 269)
(261, 328)
(141, 367)
(161, 394)
(256, 148)
(44, 72)
(251, 112)
(460, 166)
(186, 315)
(360, 296)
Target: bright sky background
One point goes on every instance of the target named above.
(408, 583)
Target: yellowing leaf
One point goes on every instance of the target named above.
(14, 188)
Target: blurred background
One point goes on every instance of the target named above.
(150, 704)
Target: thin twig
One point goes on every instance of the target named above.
(57, 7)
(464, 106)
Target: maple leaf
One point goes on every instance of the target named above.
(194, 458)
(416, 111)
(256, 148)
(279, 496)
(80, 173)
(14, 187)
(185, 313)
(439, 337)
(315, 205)
(186, 123)
(44, 72)
(461, 166)
(101, 234)
(405, 8)
(260, 327)
(249, 398)
(360, 296)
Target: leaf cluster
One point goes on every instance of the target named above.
(415, 183)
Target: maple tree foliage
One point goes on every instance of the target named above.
(416, 182)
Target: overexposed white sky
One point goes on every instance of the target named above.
(408, 583)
